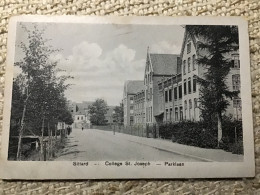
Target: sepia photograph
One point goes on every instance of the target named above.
(142, 94)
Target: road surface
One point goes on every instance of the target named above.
(98, 145)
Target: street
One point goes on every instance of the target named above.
(98, 145)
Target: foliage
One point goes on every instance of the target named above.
(216, 43)
(37, 89)
(118, 116)
(97, 112)
(201, 135)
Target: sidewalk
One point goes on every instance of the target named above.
(202, 154)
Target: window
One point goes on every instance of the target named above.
(151, 93)
(78, 117)
(151, 77)
(166, 96)
(176, 114)
(147, 95)
(185, 87)
(194, 62)
(235, 62)
(185, 107)
(131, 120)
(166, 114)
(180, 91)
(194, 83)
(189, 85)
(131, 100)
(236, 82)
(190, 104)
(184, 67)
(181, 113)
(189, 47)
(237, 103)
(195, 103)
(170, 95)
(170, 114)
(190, 107)
(175, 93)
(188, 64)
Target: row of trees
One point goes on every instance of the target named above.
(38, 100)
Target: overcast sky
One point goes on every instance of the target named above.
(101, 57)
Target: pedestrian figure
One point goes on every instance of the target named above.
(82, 128)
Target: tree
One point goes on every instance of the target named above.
(216, 43)
(118, 116)
(97, 112)
(41, 90)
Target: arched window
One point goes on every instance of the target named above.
(236, 82)
(184, 87)
(190, 104)
(194, 62)
(176, 114)
(189, 65)
(190, 107)
(195, 103)
(189, 85)
(185, 109)
(194, 83)
(184, 67)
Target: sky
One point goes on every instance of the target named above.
(101, 57)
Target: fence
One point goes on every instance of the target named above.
(150, 131)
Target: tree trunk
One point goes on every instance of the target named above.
(49, 140)
(219, 127)
(18, 154)
(42, 135)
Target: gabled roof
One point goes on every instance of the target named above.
(165, 63)
(193, 38)
(133, 86)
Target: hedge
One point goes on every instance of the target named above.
(204, 135)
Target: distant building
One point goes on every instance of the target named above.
(109, 115)
(130, 89)
(139, 110)
(80, 114)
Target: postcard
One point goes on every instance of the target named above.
(127, 97)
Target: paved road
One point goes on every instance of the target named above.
(98, 145)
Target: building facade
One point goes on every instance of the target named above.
(179, 96)
(109, 115)
(139, 111)
(170, 88)
(130, 90)
(158, 66)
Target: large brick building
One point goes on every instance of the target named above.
(158, 66)
(185, 102)
(170, 90)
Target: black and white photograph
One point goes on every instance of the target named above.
(129, 93)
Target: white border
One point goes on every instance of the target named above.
(65, 169)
